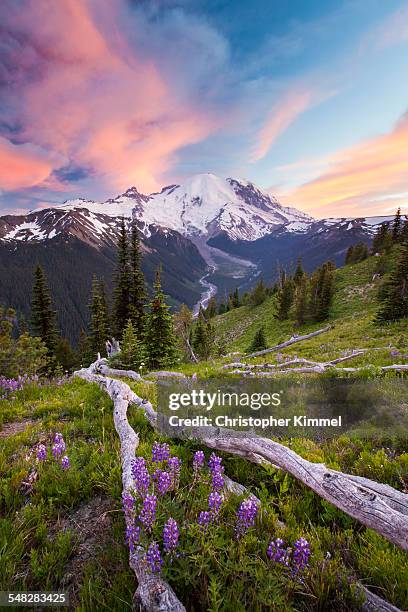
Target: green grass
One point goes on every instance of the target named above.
(225, 574)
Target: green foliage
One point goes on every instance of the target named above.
(22, 355)
(137, 293)
(203, 338)
(259, 342)
(42, 313)
(99, 327)
(394, 293)
(259, 294)
(121, 306)
(159, 339)
(355, 253)
(285, 299)
(133, 353)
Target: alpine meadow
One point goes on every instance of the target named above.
(204, 379)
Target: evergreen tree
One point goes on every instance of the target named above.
(21, 356)
(404, 231)
(301, 301)
(65, 355)
(133, 351)
(299, 272)
(235, 299)
(183, 322)
(122, 290)
(137, 294)
(381, 237)
(258, 295)
(211, 309)
(99, 323)
(160, 340)
(42, 314)
(325, 291)
(222, 308)
(259, 342)
(85, 353)
(203, 336)
(285, 299)
(394, 296)
(349, 255)
(396, 226)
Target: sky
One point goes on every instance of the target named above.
(309, 100)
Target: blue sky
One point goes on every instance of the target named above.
(306, 99)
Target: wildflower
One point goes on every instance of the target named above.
(128, 502)
(214, 502)
(174, 465)
(58, 439)
(153, 558)
(301, 554)
(164, 481)
(204, 518)
(198, 461)
(132, 536)
(65, 462)
(140, 475)
(214, 462)
(246, 516)
(160, 452)
(170, 535)
(217, 479)
(278, 552)
(59, 446)
(41, 452)
(147, 514)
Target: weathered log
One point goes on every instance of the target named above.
(290, 362)
(165, 374)
(103, 368)
(292, 340)
(318, 369)
(153, 594)
(374, 603)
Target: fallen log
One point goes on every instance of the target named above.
(153, 594)
(376, 505)
(290, 362)
(289, 342)
(318, 369)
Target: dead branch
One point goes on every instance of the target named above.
(292, 340)
(153, 594)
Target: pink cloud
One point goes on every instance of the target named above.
(23, 165)
(88, 94)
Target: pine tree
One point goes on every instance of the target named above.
(133, 351)
(349, 256)
(159, 338)
(396, 226)
(301, 301)
(85, 353)
(211, 309)
(222, 308)
(203, 336)
(394, 295)
(137, 294)
(380, 239)
(299, 272)
(325, 291)
(99, 323)
(285, 299)
(235, 298)
(42, 314)
(259, 342)
(258, 295)
(404, 231)
(121, 309)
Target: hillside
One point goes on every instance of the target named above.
(354, 307)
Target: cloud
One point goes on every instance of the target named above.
(358, 178)
(90, 82)
(24, 165)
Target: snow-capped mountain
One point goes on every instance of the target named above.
(207, 205)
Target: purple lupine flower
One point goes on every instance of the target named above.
(174, 466)
(147, 514)
(128, 503)
(246, 516)
(140, 475)
(58, 449)
(278, 552)
(153, 558)
(41, 452)
(205, 518)
(163, 480)
(214, 502)
(198, 461)
(301, 554)
(160, 452)
(132, 536)
(65, 462)
(58, 438)
(214, 462)
(170, 535)
(217, 481)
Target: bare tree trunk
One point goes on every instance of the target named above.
(153, 594)
(292, 340)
